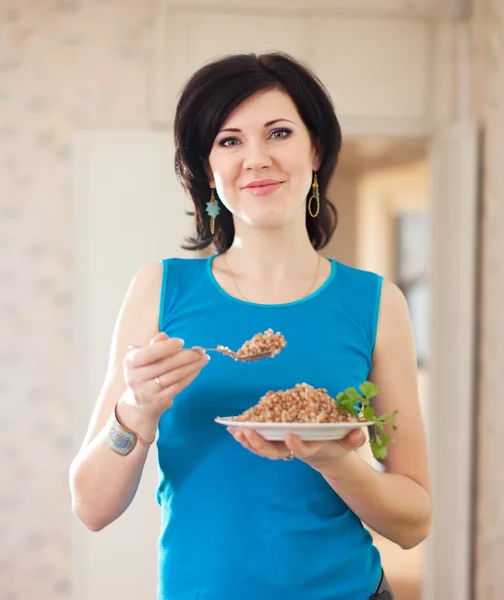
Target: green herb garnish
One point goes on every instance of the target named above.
(359, 404)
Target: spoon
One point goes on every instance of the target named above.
(242, 357)
(230, 353)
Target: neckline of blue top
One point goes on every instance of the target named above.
(311, 296)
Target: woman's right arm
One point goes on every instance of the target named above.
(103, 483)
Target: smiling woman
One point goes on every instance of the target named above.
(288, 155)
(257, 143)
(273, 112)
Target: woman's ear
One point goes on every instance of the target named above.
(317, 157)
(209, 174)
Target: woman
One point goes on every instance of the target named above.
(257, 142)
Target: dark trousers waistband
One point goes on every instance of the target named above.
(383, 591)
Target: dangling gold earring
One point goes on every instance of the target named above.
(315, 195)
(213, 211)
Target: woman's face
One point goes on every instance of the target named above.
(262, 161)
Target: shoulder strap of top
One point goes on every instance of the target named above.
(359, 294)
(179, 276)
(378, 283)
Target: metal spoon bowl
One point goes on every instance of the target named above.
(242, 358)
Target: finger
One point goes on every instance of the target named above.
(175, 376)
(242, 439)
(179, 360)
(159, 337)
(273, 450)
(138, 377)
(300, 448)
(151, 381)
(355, 439)
(199, 349)
(163, 399)
(147, 355)
(174, 389)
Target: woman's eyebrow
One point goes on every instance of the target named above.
(268, 124)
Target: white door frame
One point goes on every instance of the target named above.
(451, 427)
(454, 248)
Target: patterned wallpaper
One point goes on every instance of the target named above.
(65, 65)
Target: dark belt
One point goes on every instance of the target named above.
(383, 591)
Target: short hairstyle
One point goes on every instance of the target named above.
(208, 99)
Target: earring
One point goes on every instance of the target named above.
(315, 195)
(213, 210)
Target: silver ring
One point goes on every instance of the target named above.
(290, 456)
(158, 381)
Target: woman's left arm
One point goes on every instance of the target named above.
(397, 502)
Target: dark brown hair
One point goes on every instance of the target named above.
(207, 100)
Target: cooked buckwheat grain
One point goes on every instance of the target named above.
(267, 342)
(300, 404)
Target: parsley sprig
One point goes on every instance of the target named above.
(358, 403)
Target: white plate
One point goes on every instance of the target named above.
(274, 432)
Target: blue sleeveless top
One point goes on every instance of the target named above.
(233, 524)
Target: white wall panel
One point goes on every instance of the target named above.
(377, 70)
(372, 67)
(129, 211)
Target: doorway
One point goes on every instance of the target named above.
(136, 167)
(381, 191)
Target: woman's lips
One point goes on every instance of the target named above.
(263, 190)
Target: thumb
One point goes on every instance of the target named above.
(159, 337)
(355, 439)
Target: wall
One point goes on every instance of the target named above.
(64, 66)
(486, 34)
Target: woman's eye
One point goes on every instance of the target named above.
(276, 134)
(228, 142)
(281, 134)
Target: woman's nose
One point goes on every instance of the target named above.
(256, 157)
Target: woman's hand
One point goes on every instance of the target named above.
(316, 454)
(156, 373)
